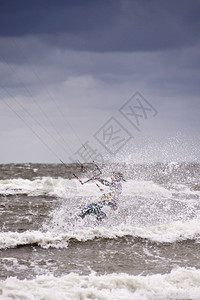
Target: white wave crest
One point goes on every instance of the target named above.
(180, 283)
(167, 233)
(60, 187)
(45, 186)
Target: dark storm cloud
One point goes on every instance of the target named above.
(92, 55)
(104, 25)
(52, 17)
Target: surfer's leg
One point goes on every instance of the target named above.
(109, 199)
(91, 209)
(112, 204)
(100, 216)
(83, 213)
(86, 211)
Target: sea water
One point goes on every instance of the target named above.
(149, 248)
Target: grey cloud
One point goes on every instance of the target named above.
(41, 17)
(111, 25)
(173, 72)
(127, 46)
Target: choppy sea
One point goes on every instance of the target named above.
(147, 249)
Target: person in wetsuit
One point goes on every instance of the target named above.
(108, 199)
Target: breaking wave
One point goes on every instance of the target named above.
(60, 187)
(166, 233)
(180, 283)
(45, 186)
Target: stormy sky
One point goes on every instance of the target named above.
(71, 71)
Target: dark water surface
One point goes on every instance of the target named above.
(155, 230)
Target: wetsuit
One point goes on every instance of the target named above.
(108, 199)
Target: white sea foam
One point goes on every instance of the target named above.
(46, 186)
(180, 284)
(64, 188)
(59, 187)
(172, 232)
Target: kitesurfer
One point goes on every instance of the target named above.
(108, 199)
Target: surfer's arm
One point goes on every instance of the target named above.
(104, 182)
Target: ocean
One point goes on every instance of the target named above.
(149, 248)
